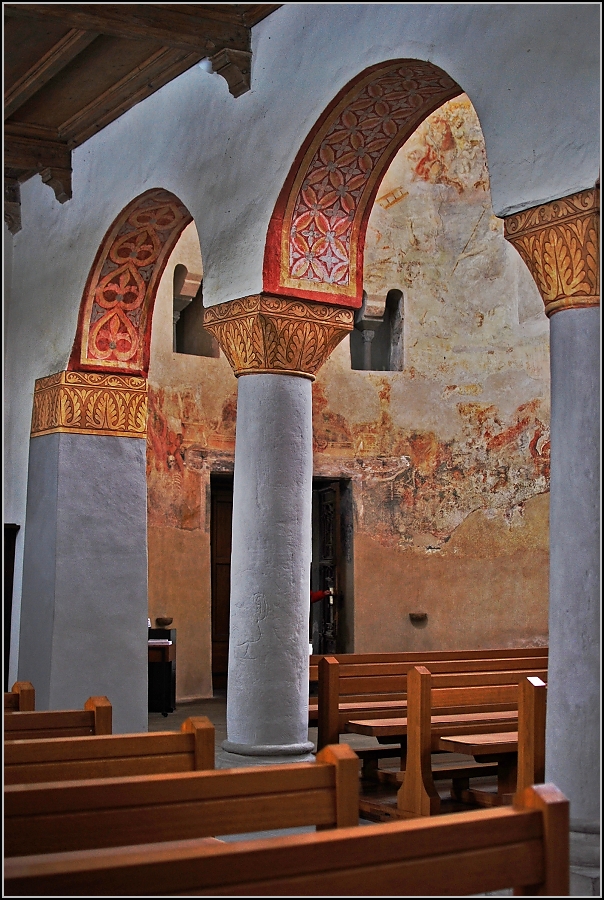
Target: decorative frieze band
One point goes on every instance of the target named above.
(90, 403)
(560, 244)
(261, 333)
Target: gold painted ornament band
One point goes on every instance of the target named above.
(264, 334)
(90, 403)
(560, 243)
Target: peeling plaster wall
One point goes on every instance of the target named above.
(448, 459)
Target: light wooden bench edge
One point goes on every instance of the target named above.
(525, 847)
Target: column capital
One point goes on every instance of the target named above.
(283, 336)
(90, 403)
(560, 243)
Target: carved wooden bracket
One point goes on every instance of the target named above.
(12, 204)
(59, 180)
(235, 66)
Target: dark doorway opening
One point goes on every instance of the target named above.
(330, 617)
(330, 625)
(10, 540)
(221, 488)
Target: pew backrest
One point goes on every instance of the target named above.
(22, 697)
(111, 755)
(380, 690)
(95, 718)
(525, 847)
(109, 812)
(425, 657)
(418, 795)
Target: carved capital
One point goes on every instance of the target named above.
(560, 244)
(90, 403)
(262, 333)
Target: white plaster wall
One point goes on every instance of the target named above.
(531, 71)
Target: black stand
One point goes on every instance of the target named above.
(162, 672)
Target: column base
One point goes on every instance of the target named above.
(304, 748)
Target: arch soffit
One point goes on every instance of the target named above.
(114, 324)
(316, 235)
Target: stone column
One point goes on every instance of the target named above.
(559, 242)
(278, 345)
(84, 596)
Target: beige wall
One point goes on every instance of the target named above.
(448, 458)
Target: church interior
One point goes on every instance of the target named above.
(302, 362)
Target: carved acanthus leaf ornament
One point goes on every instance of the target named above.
(261, 333)
(560, 244)
(90, 403)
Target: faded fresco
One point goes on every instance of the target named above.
(446, 460)
(449, 457)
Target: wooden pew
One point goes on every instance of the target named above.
(423, 657)
(418, 795)
(520, 755)
(95, 718)
(109, 812)
(111, 755)
(22, 698)
(377, 690)
(525, 848)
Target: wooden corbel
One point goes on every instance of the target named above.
(235, 66)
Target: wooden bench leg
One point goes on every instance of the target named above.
(418, 795)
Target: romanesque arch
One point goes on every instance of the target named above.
(114, 326)
(315, 239)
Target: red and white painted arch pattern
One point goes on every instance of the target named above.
(114, 330)
(316, 236)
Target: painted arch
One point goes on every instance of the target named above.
(114, 326)
(316, 235)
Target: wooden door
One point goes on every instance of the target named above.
(220, 537)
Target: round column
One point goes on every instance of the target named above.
(276, 345)
(267, 700)
(559, 242)
(573, 695)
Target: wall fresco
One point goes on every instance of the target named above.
(458, 440)
(447, 459)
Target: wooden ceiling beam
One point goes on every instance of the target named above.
(52, 159)
(62, 53)
(171, 27)
(139, 84)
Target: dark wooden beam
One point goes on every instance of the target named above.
(172, 27)
(49, 157)
(46, 68)
(143, 81)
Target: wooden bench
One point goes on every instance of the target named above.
(375, 690)
(111, 755)
(423, 657)
(497, 744)
(22, 697)
(109, 812)
(525, 847)
(95, 718)
(520, 756)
